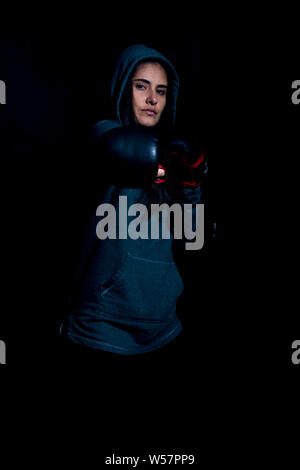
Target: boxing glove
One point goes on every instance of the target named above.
(188, 163)
(131, 156)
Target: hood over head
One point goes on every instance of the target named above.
(125, 64)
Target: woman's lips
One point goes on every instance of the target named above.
(149, 112)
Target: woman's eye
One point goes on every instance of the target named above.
(161, 92)
(139, 86)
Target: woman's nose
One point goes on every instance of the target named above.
(152, 99)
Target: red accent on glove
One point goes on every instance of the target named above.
(161, 179)
(197, 162)
(191, 172)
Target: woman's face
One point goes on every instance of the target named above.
(149, 93)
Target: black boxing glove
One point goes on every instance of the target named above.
(131, 155)
(186, 161)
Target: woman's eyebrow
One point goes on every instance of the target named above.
(148, 82)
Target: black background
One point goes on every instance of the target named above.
(239, 310)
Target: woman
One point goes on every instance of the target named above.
(127, 288)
